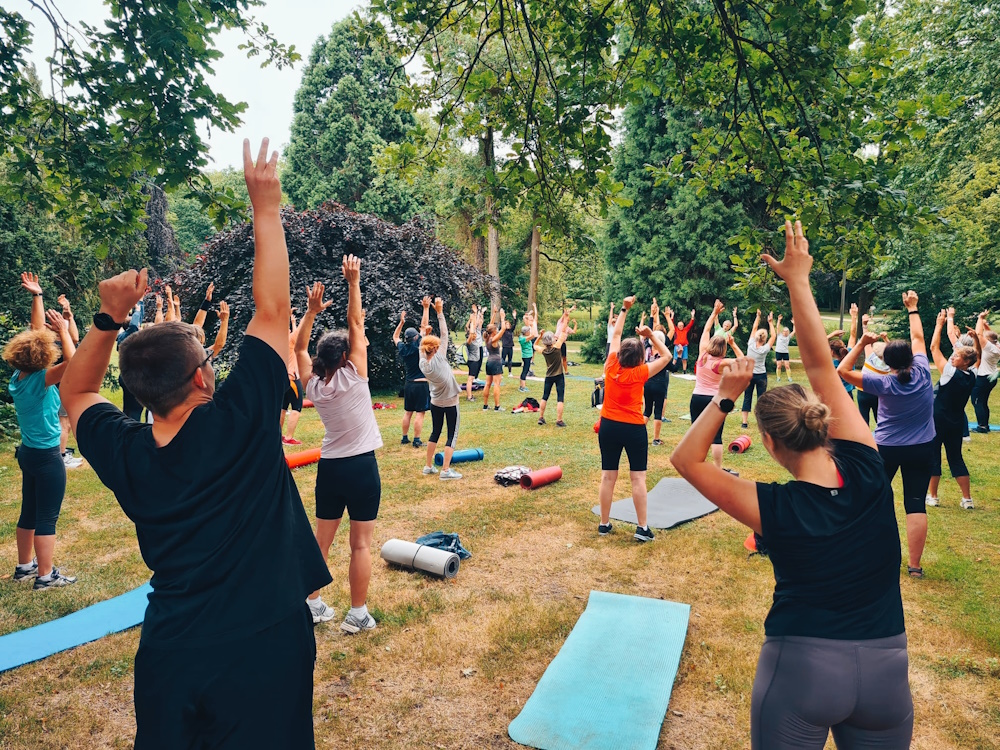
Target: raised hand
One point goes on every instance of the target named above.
(770, 317)
(55, 321)
(351, 269)
(438, 305)
(797, 261)
(628, 302)
(642, 320)
(644, 330)
(223, 310)
(169, 292)
(402, 316)
(121, 293)
(942, 316)
(316, 305)
(64, 303)
(654, 309)
(29, 281)
(951, 312)
(719, 307)
(426, 302)
(867, 339)
(208, 292)
(910, 300)
(866, 319)
(262, 177)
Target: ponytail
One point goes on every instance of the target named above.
(898, 356)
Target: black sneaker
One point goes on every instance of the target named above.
(55, 580)
(657, 442)
(405, 440)
(982, 430)
(744, 426)
(23, 575)
(486, 407)
(560, 423)
(417, 442)
(497, 408)
(541, 420)
(604, 528)
(644, 534)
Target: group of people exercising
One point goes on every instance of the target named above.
(225, 531)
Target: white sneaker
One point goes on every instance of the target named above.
(430, 470)
(967, 439)
(70, 462)
(450, 474)
(352, 624)
(932, 501)
(321, 611)
(967, 503)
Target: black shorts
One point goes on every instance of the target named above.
(698, 405)
(654, 394)
(293, 396)
(416, 396)
(494, 367)
(474, 366)
(559, 381)
(213, 695)
(614, 436)
(352, 483)
(781, 357)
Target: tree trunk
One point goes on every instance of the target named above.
(536, 241)
(479, 252)
(492, 233)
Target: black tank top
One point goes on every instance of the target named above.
(951, 398)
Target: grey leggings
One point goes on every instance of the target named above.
(807, 687)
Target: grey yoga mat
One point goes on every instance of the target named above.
(418, 557)
(671, 502)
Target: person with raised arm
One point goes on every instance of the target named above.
(681, 334)
(416, 393)
(986, 373)
(622, 425)
(445, 393)
(206, 304)
(867, 402)
(347, 478)
(474, 348)
(294, 399)
(905, 431)
(760, 343)
(223, 529)
(71, 461)
(507, 342)
(550, 347)
(728, 326)
(834, 655)
(782, 355)
(654, 392)
(529, 334)
(494, 365)
(711, 360)
(34, 389)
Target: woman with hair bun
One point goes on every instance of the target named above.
(347, 477)
(834, 656)
(905, 431)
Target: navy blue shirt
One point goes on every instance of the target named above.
(409, 353)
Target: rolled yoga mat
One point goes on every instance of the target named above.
(295, 460)
(414, 556)
(671, 502)
(307, 404)
(591, 696)
(83, 626)
(993, 427)
(541, 477)
(460, 457)
(740, 444)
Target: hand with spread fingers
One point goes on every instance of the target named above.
(797, 263)
(315, 304)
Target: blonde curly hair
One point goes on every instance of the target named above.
(31, 351)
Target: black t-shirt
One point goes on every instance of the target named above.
(835, 552)
(409, 353)
(216, 511)
(508, 338)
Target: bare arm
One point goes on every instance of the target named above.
(736, 322)
(657, 365)
(706, 334)
(735, 347)
(29, 282)
(852, 340)
(425, 317)
(170, 304)
(756, 325)
(953, 334)
(355, 318)
(315, 306)
(399, 328)
(616, 337)
(220, 337)
(916, 326)
(202, 314)
(56, 323)
(774, 331)
(270, 264)
(158, 314)
(939, 359)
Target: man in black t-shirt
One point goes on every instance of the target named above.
(416, 391)
(227, 650)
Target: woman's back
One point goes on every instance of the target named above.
(37, 408)
(345, 407)
(905, 410)
(707, 375)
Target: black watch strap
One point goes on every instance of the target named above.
(104, 322)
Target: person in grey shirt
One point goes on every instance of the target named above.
(758, 347)
(474, 346)
(445, 393)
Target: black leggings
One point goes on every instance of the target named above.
(525, 367)
(559, 381)
(440, 415)
(43, 486)
(806, 687)
(981, 399)
(868, 406)
(698, 404)
(949, 436)
(654, 396)
(915, 462)
(758, 382)
(507, 358)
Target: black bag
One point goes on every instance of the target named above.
(597, 397)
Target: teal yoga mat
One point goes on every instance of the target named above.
(993, 427)
(609, 685)
(83, 626)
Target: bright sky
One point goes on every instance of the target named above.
(268, 92)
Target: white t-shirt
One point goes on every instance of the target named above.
(759, 355)
(611, 331)
(781, 343)
(991, 356)
(345, 407)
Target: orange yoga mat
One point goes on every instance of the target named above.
(295, 460)
(541, 477)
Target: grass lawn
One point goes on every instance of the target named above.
(535, 558)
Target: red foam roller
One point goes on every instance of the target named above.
(597, 426)
(740, 444)
(307, 404)
(541, 477)
(295, 460)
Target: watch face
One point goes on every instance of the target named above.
(727, 405)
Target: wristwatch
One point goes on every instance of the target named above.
(104, 322)
(726, 405)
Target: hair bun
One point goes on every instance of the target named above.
(815, 416)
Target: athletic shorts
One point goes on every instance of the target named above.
(494, 367)
(293, 396)
(698, 405)
(559, 381)
(416, 396)
(781, 357)
(474, 366)
(653, 395)
(680, 352)
(614, 437)
(352, 483)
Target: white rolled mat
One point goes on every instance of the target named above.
(419, 557)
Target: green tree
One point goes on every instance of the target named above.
(346, 113)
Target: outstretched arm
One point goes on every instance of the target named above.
(774, 331)
(55, 322)
(169, 317)
(158, 314)
(399, 327)
(315, 306)
(67, 313)
(270, 264)
(939, 359)
(734, 346)
(29, 282)
(852, 340)
(671, 330)
(425, 317)
(736, 323)
(355, 318)
(756, 325)
(616, 337)
(953, 335)
(206, 305)
(220, 337)
(665, 357)
(442, 326)
(916, 326)
(706, 334)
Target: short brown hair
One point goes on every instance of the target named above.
(794, 418)
(157, 364)
(630, 353)
(31, 351)
(717, 346)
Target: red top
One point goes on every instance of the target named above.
(623, 391)
(681, 334)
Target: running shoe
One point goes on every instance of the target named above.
(450, 474)
(541, 420)
(498, 408)
(352, 624)
(982, 430)
(320, 610)
(417, 442)
(70, 462)
(290, 441)
(604, 528)
(560, 423)
(967, 503)
(932, 501)
(54, 581)
(643, 534)
(744, 426)
(23, 575)
(657, 442)
(966, 439)
(430, 470)
(405, 440)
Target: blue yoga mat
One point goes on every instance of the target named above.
(593, 696)
(460, 457)
(83, 626)
(993, 427)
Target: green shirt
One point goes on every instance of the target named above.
(527, 347)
